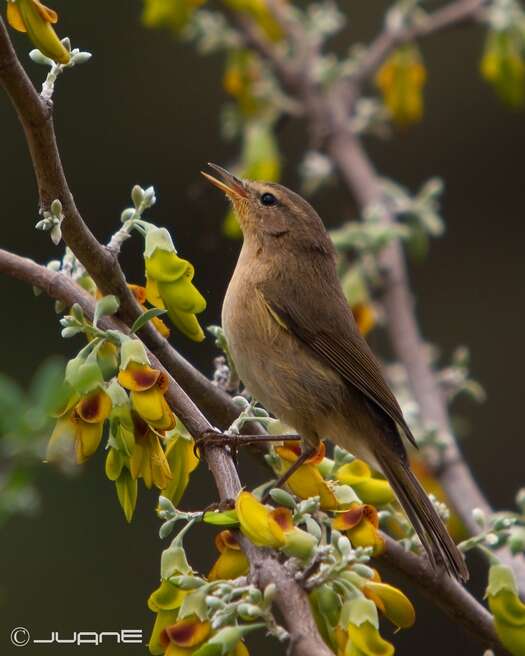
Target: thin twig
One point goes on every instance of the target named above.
(454, 600)
(452, 15)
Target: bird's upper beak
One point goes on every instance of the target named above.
(230, 184)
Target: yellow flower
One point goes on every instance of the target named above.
(507, 608)
(165, 601)
(257, 522)
(117, 469)
(307, 481)
(169, 283)
(503, 65)
(360, 636)
(272, 528)
(360, 523)
(372, 490)
(174, 14)
(182, 461)
(148, 460)
(36, 19)
(147, 387)
(185, 636)
(80, 428)
(140, 294)
(365, 317)
(394, 605)
(232, 561)
(401, 79)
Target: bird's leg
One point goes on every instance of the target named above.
(281, 481)
(217, 438)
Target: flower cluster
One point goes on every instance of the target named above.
(112, 382)
(347, 596)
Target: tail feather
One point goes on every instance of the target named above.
(433, 534)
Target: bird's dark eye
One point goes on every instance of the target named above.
(268, 199)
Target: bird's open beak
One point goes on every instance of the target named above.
(230, 184)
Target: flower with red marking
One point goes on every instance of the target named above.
(232, 561)
(307, 481)
(80, 429)
(185, 636)
(148, 460)
(360, 523)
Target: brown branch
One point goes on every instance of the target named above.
(454, 14)
(291, 599)
(438, 589)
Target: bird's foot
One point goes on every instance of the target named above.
(281, 482)
(216, 438)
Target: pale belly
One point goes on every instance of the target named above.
(290, 382)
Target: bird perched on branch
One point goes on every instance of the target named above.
(297, 348)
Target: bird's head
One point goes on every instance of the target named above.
(272, 213)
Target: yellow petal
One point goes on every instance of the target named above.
(188, 632)
(152, 293)
(37, 19)
(138, 377)
(61, 445)
(229, 565)
(187, 324)
(47, 14)
(165, 266)
(94, 407)
(138, 292)
(148, 461)
(182, 295)
(255, 518)
(366, 639)
(307, 482)
(163, 619)
(126, 487)
(166, 597)
(87, 439)
(182, 461)
(392, 603)
(14, 18)
(153, 408)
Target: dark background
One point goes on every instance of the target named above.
(146, 110)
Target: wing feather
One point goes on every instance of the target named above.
(350, 356)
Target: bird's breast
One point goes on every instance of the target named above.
(276, 368)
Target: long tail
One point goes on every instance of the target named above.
(433, 534)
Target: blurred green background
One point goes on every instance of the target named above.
(146, 110)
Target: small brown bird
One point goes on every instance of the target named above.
(297, 348)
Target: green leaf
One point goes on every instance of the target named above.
(141, 321)
(226, 518)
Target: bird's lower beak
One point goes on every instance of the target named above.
(230, 184)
